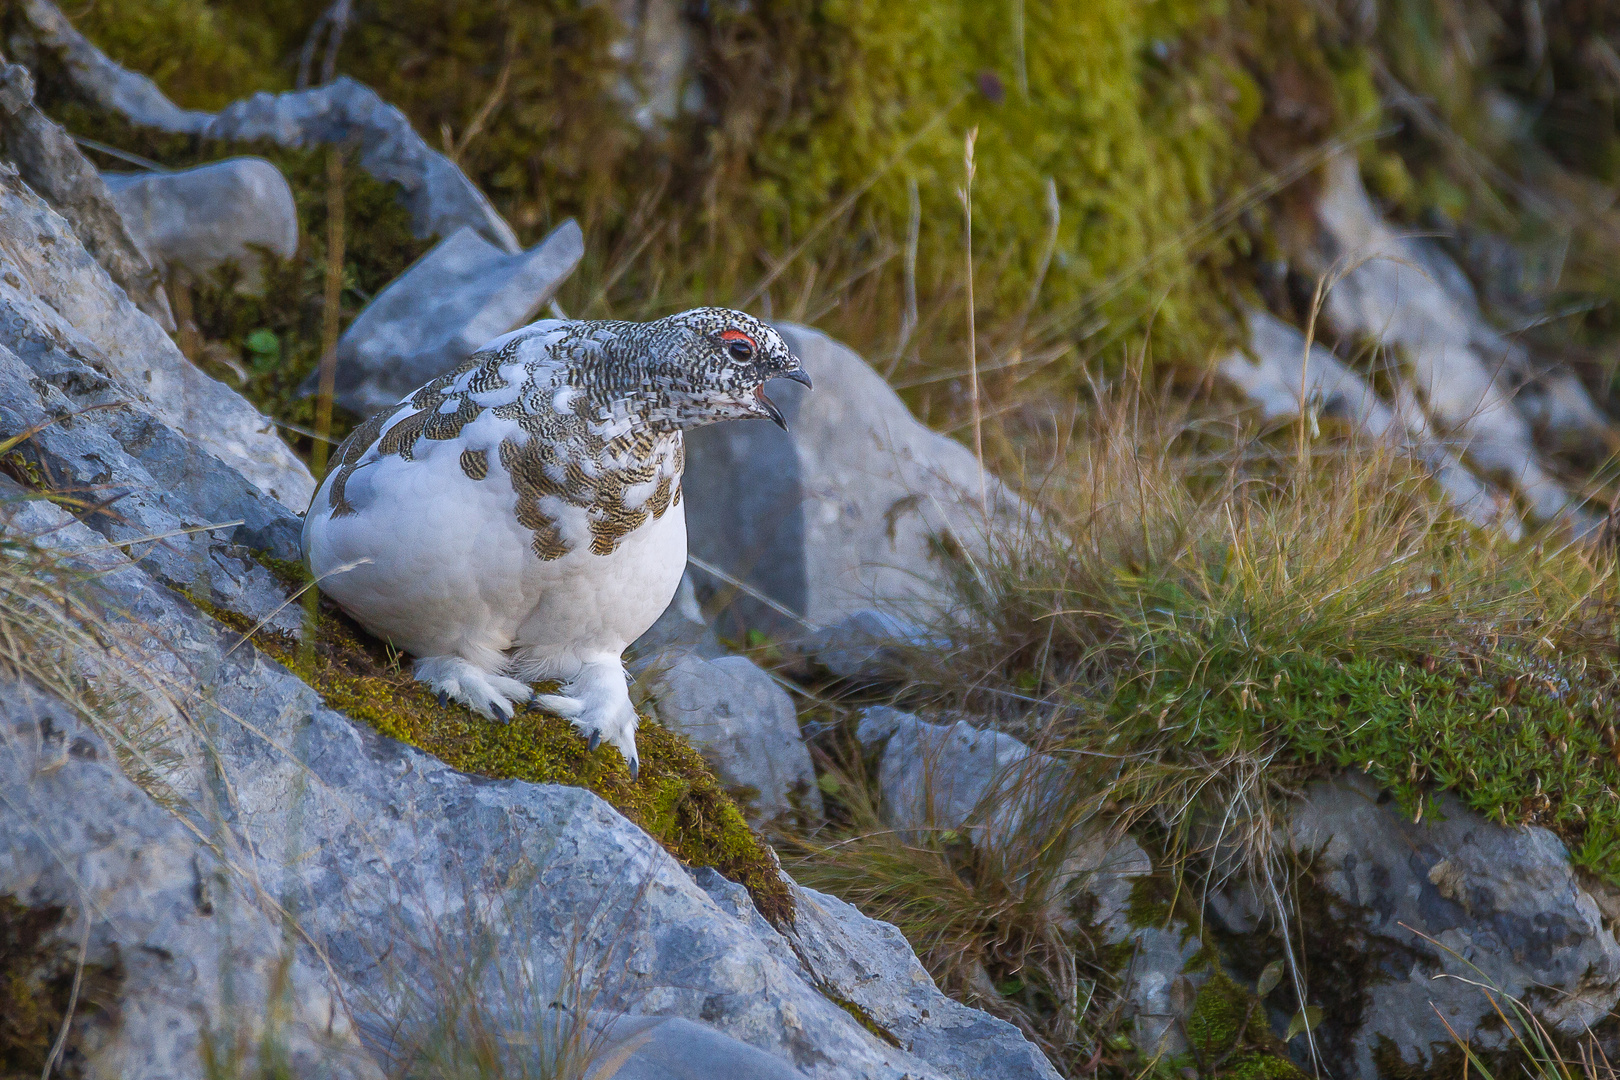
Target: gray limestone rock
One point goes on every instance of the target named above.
(655, 49)
(51, 163)
(670, 1048)
(59, 296)
(1492, 905)
(183, 513)
(959, 778)
(870, 965)
(400, 869)
(745, 726)
(200, 219)
(1278, 374)
(189, 954)
(987, 785)
(1478, 386)
(125, 92)
(850, 509)
(870, 645)
(440, 197)
(463, 293)
(438, 194)
(1159, 981)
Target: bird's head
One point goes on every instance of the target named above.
(715, 365)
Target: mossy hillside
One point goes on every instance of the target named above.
(1138, 113)
(675, 798)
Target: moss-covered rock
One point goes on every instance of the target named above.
(675, 798)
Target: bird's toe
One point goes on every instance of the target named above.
(566, 707)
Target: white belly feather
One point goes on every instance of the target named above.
(444, 567)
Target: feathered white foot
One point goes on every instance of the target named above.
(597, 702)
(495, 697)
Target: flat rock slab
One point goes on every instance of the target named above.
(200, 219)
(463, 293)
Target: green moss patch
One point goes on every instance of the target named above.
(676, 798)
(1230, 1036)
(1521, 750)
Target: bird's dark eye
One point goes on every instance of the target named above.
(740, 350)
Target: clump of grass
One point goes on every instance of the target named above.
(676, 797)
(1201, 602)
(1206, 619)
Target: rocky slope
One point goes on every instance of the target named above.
(206, 867)
(299, 882)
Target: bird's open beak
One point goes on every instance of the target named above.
(799, 376)
(770, 408)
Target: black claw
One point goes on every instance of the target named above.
(500, 713)
(635, 768)
(596, 740)
(444, 700)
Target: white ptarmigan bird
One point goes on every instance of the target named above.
(519, 518)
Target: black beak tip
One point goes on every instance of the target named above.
(771, 410)
(799, 376)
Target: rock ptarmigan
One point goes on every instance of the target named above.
(519, 518)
